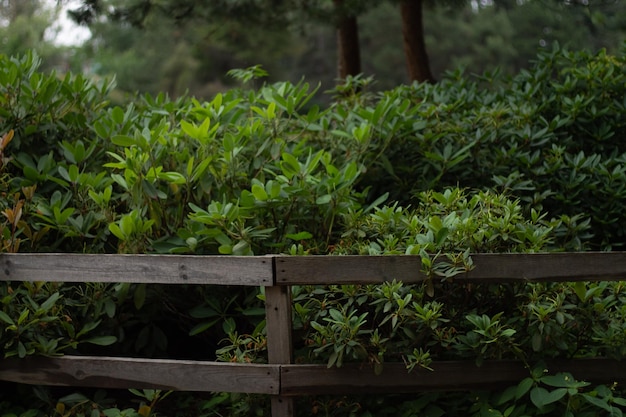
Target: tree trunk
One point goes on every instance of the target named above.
(349, 53)
(415, 53)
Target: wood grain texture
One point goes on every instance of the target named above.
(279, 340)
(279, 327)
(583, 266)
(161, 269)
(124, 373)
(282, 406)
(297, 270)
(281, 378)
(446, 376)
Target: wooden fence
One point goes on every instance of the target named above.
(280, 378)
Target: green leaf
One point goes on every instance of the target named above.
(537, 342)
(201, 327)
(217, 101)
(117, 114)
(229, 326)
(273, 188)
(73, 398)
(506, 396)
(563, 379)
(50, 302)
(271, 111)
(259, 192)
(325, 199)
(580, 289)
(127, 225)
(430, 288)
(102, 340)
(173, 177)
(333, 359)
(139, 298)
(523, 387)
(293, 163)
(441, 235)
(190, 129)
(21, 350)
(115, 229)
(299, 236)
(88, 327)
(123, 140)
(600, 403)
(5, 318)
(120, 180)
(225, 249)
(336, 314)
(542, 397)
(241, 248)
(109, 308)
(63, 172)
(508, 332)
(201, 168)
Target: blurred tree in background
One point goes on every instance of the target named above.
(187, 45)
(29, 24)
(343, 15)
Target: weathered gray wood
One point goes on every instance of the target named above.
(162, 269)
(233, 270)
(281, 378)
(279, 328)
(282, 406)
(123, 373)
(279, 340)
(552, 267)
(583, 266)
(446, 376)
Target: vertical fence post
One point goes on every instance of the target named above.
(279, 338)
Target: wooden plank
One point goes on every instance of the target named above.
(234, 270)
(124, 373)
(596, 370)
(323, 270)
(446, 376)
(282, 406)
(553, 267)
(279, 340)
(279, 328)
(303, 270)
(162, 269)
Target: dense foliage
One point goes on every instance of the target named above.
(551, 136)
(530, 164)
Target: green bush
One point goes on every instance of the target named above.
(45, 111)
(443, 319)
(551, 136)
(439, 171)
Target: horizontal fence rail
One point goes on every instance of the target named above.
(445, 376)
(488, 268)
(289, 379)
(304, 270)
(281, 378)
(111, 372)
(151, 269)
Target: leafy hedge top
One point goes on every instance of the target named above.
(258, 166)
